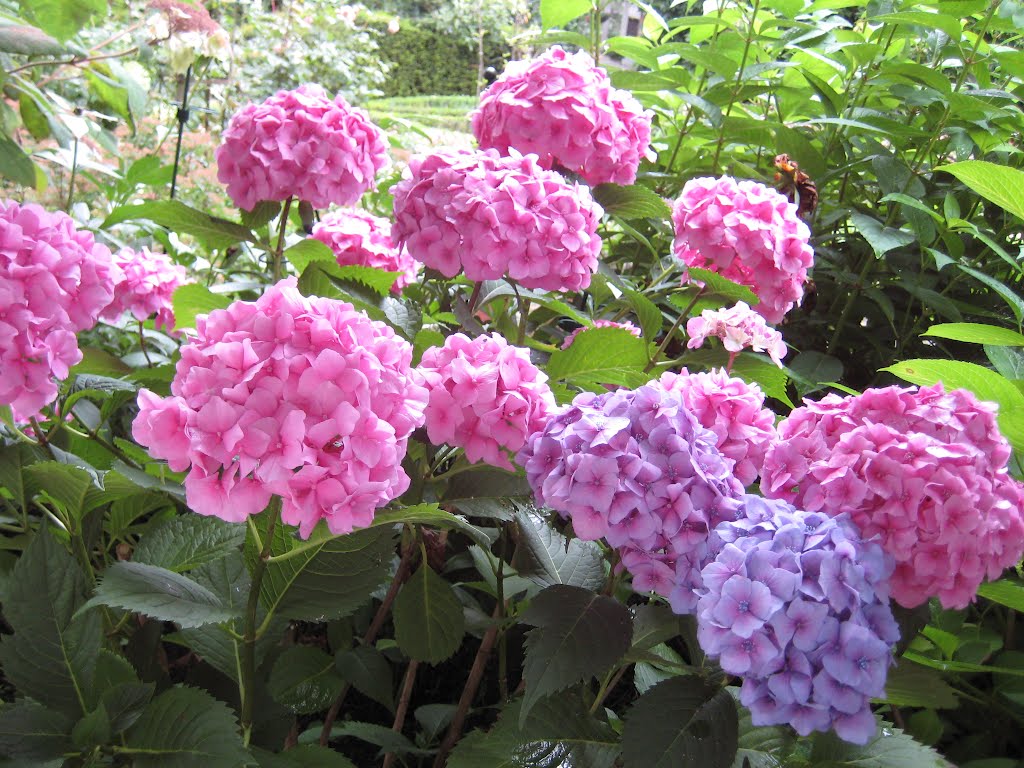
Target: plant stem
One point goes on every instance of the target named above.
(182, 119)
(403, 706)
(142, 344)
(469, 692)
(247, 682)
(74, 175)
(282, 230)
(671, 331)
(75, 61)
(609, 683)
(747, 42)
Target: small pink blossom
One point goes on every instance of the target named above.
(564, 109)
(361, 239)
(149, 281)
(739, 328)
(628, 326)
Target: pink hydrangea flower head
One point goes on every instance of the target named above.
(362, 239)
(924, 470)
(734, 411)
(739, 328)
(748, 233)
(492, 216)
(636, 468)
(149, 279)
(628, 326)
(797, 604)
(564, 109)
(300, 144)
(303, 398)
(55, 280)
(485, 396)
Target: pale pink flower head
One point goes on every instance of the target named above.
(54, 282)
(734, 411)
(302, 398)
(748, 233)
(564, 109)
(627, 326)
(149, 279)
(493, 216)
(485, 396)
(739, 328)
(362, 239)
(300, 144)
(923, 470)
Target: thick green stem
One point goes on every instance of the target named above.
(282, 230)
(672, 331)
(247, 682)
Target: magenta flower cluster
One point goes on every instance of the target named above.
(748, 233)
(923, 470)
(636, 468)
(734, 411)
(564, 109)
(361, 239)
(797, 604)
(300, 144)
(54, 281)
(493, 216)
(626, 326)
(485, 396)
(739, 327)
(146, 287)
(304, 398)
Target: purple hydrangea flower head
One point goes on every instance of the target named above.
(637, 469)
(797, 603)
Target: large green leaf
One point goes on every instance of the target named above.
(1001, 184)
(368, 672)
(911, 685)
(69, 486)
(194, 299)
(304, 680)
(303, 756)
(558, 13)
(432, 515)
(15, 165)
(50, 657)
(30, 41)
(30, 731)
(635, 202)
(62, 18)
(428, 617)
(161, 594)
(188, 541)
(577, 635)
(546, 557)
(601, 356)
(211, 231)
(881, 238)
(977, 333)
(185, 728)
(313, 251)
(716, 285)
(326, 577)
(891, 748)
(14, 459)
(1008, 592)
(681, 723)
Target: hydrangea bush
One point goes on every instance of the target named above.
(563, 494)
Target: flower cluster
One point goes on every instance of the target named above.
(924, 470)
(748, 233)
(797, 604)
(361, 239)
(146, 286)
(189, 31)
(626, 326)
(739, 327)
(492, 216)
(734, 410)
(304, 398)
(300, 144)
(562, 108)
(54, 281)
(636, 468)
(484, 396)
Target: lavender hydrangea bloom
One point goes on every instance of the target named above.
(637, 469)
(798, 604)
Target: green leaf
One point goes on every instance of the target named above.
(716, 285)
(69, 486)
(188, 541)
(882, 239)
(558, 13)
(30, 731)
(385, 738)
(1011, 298)
(193, 299)
(976, 333)
(985, 384)
(1000, 184)
(308, 251)
(546, 557)
(303, 756)
(29, 41)
(14, 458)
(264, 213)
(817, 367)
(911, 685)
(368, 672)
(633, 202)
(1008, 592)
(647, 313)
(15, 165)
(578, 635)
(304, 680)
(1009, 361)
(213, 232)
(681, 723)
(429, 624)
(652, 625)
(948, 24)
(62, 18)
(183, 728)
(434, 516)
(602, 356)
(161, 594)
(51, 656)
(891, 748)
(759, 746)
(304, 579)
(93, 730)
